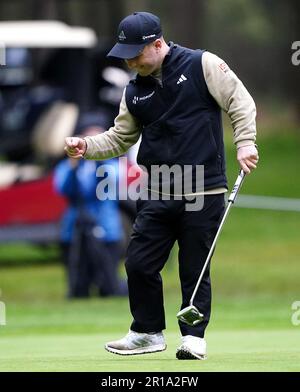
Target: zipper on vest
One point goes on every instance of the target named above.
(168, 145)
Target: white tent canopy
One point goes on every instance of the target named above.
(41, 34)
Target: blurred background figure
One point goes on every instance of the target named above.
(91, 231)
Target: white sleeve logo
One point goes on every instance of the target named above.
(296, 315)
(2, 54)
(2, 312)
(296, 55)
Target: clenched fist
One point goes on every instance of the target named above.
(248, 158)
(75, 147)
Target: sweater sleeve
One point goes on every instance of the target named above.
(232, 96)
(118, 139)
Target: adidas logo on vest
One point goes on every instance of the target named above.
(181, 79)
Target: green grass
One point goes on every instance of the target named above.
(279, 165)
(251, 334)
(228, 351)
(16, 254)
(255, 277)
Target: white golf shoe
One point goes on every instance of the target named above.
(191, 347)
(137, 343)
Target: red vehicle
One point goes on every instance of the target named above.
(31, 211)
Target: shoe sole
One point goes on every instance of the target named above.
(186, 354)
(137, 351)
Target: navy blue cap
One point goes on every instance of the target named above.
(134, 33)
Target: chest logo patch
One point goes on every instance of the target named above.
(138, 99)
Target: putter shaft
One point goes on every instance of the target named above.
(231, 200)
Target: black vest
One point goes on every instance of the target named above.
(181, 121)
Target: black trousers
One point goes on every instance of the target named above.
(158, 225)
(88, 262)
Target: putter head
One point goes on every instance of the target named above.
(190, 315)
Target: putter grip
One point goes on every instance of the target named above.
(237, 186)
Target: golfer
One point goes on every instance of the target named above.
(174, 104)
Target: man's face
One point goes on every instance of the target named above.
(147, 61)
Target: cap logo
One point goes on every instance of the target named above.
(122, 36)
(148, 36)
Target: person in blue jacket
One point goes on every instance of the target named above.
(91, 229)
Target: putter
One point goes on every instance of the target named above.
(191, 315)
